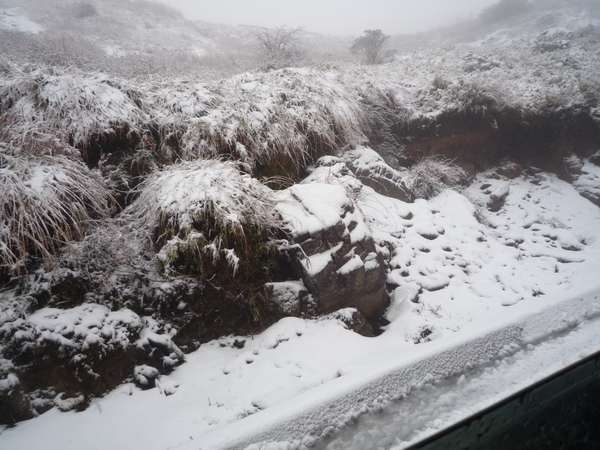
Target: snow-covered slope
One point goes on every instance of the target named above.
(140, 39)
(541, 247)
(11, 20)
(478, 266)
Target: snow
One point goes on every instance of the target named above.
(310, 208)
(463, 271)
(588, 182)
(471, 284)
(354, 263)
(11, 20)
(437, 406)
(8, 383)
(78, 328)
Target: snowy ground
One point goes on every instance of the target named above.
(11, 20)
(439, 405)
(478, 275)
(470, 267)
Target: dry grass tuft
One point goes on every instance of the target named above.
(432, 175)
(207, 218)
(45, 202)
(284, 119)
(75, 107)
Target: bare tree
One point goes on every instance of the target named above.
(370, 45)
(280, 45)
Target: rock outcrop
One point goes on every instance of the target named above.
(371, 170)
(332, 248)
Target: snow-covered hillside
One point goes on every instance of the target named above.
(140, 39)
(456, 276)
(185, 259)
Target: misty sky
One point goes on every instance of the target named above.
(334, 16)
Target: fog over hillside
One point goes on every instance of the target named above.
(337, 17)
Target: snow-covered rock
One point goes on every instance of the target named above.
(289, 298)
(371, 169)
(64, 358)
(587, 181)
(336, 255)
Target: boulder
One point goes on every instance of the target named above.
(510, 170)
(334, 252)
(355, 321)
(371, 169)
(288, 298)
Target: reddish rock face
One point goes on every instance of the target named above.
(478, 141)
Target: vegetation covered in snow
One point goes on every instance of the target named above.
(206, 218)
(47, 201)
(154, 199)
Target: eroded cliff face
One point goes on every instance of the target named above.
(479, 141)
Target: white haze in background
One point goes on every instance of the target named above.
(341, 17)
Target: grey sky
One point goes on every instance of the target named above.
(334, 16)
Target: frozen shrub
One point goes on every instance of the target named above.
(108, 266)
(279, 121)
(77, 108)
(432, 175)
(370, 45)
(207, 218)
(45, 202)
(440, 82)
(481, 63)
(53, 48)
(279, 46)
(553, 39)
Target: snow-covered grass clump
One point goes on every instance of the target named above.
(45, 202)
(207, 217)
(432, 175)
(171, 106)
(78, 108)
(281, 120)
(278, 122)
